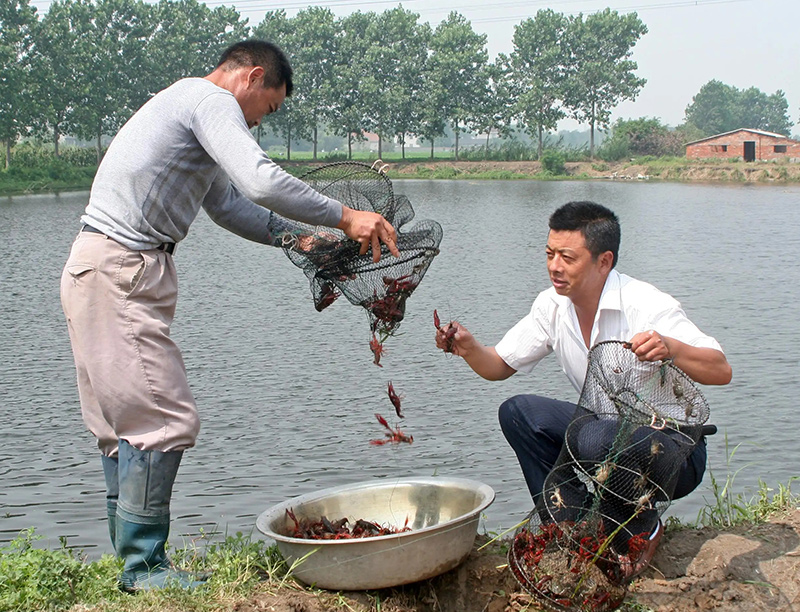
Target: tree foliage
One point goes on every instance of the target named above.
(539, 72)
(640, 137)
(719, 108)
(600, 74)
(458, 64)
(18, 24)
(386, 73)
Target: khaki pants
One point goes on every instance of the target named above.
(132, 381)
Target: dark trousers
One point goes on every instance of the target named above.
(535, 427)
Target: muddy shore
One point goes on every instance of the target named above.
(743, 569)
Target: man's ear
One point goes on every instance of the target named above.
(255, 76)
(606, 261)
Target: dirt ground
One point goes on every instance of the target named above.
(624, 171)
(744, 569)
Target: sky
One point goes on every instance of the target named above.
(743, 43)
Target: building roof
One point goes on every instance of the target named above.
(759, 132)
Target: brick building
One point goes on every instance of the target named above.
(749, 145)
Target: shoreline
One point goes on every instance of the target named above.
(637, 170)
(749, 566)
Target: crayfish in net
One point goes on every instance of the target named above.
(324, 529)
(387, 311)
(334, 265)
(393, 435)
(570, 566)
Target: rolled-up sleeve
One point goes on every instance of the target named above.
(673, 323)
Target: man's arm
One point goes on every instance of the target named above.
(219, 126)
(227, 207)
(484, 360)
(706, 366)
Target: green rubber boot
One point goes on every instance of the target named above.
(145, 489)
(111, 473)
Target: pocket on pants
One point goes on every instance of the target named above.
(78, 270)
(131, 271)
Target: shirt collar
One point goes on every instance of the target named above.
(610, 298)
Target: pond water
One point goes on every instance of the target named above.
(287, 395)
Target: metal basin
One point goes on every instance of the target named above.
(443, 515)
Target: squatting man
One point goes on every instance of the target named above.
(589, 302)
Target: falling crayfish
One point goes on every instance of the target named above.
(449, 332)
(395, 399)
(394, 435)
(376, 346)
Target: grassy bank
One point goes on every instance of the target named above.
(247, 570)
(60, 175)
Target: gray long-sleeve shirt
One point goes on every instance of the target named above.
(187, 147)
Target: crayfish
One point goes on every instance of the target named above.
(394, 435)
(395, 399)
(449, 332)
(327, 296)
(376, 346)
(325, 529)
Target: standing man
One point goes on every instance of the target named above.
(588, 303)
(188, 147)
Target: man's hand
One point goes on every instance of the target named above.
(484, 360)
(369, 229)
(706, 366)
(650, 346)
(454, 338)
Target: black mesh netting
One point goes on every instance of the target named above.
(635, 424)
(332, 262)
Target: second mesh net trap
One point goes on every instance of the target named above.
(634, 426)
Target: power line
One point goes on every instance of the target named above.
(259, 5)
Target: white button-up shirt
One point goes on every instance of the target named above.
(627, 306)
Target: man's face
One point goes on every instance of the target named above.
(570, 265)
(257, 101)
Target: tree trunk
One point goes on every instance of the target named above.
(431, 148)
(315, 143)
(591, 131)
(8, 154)
(380, 146)
(99, 142)
(289, 144)
(350, 145)
(456, 139)
(56, 138)
(488, 134)
(403, 144)
(540, 150)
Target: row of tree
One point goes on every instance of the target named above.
(86, 65)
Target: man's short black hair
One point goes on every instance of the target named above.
(598, 224)
(253, 52)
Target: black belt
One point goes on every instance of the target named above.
(167, 247)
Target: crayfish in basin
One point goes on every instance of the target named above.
(325, 529)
